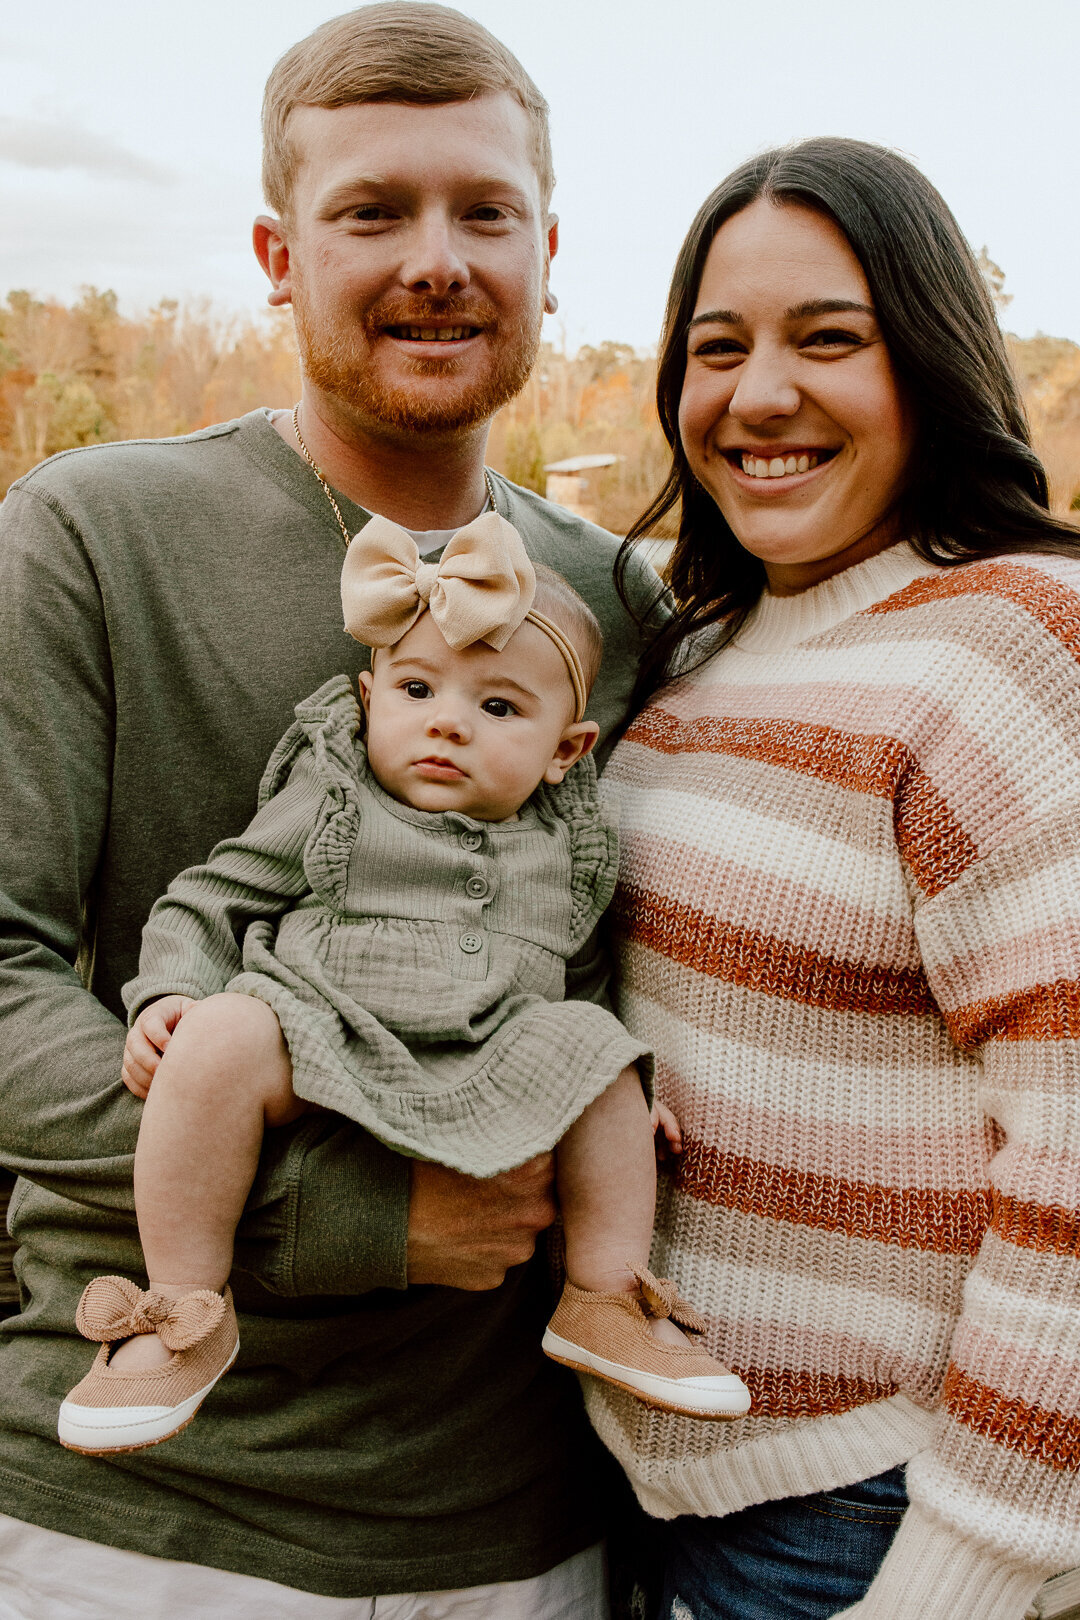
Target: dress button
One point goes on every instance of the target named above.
(471, 943)
(471, 840)
(477, 886)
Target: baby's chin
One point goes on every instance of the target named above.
(439, 796)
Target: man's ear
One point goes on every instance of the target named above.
(576, 741)
(551, 303)
(272, 251)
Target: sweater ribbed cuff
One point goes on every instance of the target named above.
(934, 1573)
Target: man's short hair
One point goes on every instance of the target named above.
(395, 51)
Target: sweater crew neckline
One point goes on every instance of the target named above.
(777, 622)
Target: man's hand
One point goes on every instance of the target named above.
(467, 1233)
(147, 1039)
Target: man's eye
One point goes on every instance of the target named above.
(488, 213)
(416, 689)
(499, 707)
(370, 213)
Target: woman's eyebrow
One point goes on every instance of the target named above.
(797, 312)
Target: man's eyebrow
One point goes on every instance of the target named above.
(797, 312)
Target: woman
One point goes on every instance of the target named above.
(849, 918)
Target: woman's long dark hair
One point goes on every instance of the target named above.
(977, 487)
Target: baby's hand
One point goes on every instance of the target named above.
(147, 1039)
(667, 1131)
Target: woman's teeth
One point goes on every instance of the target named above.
(778, 466)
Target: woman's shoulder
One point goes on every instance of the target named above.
(1031, 595)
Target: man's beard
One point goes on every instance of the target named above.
(331, 363)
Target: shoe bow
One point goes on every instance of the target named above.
(114, 1308)
(661, 1296)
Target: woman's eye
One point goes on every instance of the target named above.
(416, 689)
(719, 349)
(833, 338)
(499, 707)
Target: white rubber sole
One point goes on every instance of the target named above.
(722, 1397)
(98, 1430)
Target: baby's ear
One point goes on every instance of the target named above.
(363, 680)
(576, 741)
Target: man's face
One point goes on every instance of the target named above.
(416, 259)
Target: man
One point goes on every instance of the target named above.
(164, 605)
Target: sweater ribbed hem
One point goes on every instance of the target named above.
(934, 1573)
(817, 1456)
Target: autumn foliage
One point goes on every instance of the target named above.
(84, 373)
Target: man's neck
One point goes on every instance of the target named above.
(422, 481)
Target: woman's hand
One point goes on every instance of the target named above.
(147, 1039)
(667, 1131)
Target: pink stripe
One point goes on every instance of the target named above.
(1039, 1175)
(1022, 1374)
(767, 902)
(765, 1344)
(1041, 956)
(909, 1156)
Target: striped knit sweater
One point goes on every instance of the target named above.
(848, 921)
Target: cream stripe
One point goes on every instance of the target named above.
(859, 877)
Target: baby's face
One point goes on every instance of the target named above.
(476, 730)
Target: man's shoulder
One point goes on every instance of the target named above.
(579, 549)
(73, 477)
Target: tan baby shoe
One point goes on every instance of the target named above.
(608, 1335)
(124, 1410)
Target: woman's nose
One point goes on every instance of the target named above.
(765, 389)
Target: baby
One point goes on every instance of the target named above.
(389, 939)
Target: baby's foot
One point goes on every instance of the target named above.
(173, 1352)
(633, 1342)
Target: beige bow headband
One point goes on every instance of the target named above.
(481, 589)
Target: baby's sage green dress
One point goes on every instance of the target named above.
(416, 960)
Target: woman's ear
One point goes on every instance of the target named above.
(576, 741)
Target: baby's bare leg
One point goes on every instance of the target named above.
(224, 1077)
(606, 1179)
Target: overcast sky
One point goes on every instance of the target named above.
(129, 134)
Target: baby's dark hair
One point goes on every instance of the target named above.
(557, 600)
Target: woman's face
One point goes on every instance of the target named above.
(791, 413)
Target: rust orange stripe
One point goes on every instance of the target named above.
(1046, 1228)
(1041, 1012)
(760, 961)
(1035, 1432)
(866, 764)
(941, 1221)
(786, 1393)
(1051, 603)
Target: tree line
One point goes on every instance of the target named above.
(83, 373)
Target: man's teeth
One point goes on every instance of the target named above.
(778, 466)
(435, 334)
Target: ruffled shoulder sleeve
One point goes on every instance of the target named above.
(594, 844)
(325, 737)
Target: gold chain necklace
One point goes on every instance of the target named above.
(328, 492)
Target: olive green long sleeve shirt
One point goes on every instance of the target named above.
(163, 606)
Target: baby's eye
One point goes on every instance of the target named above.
(499, 707)
(416, 689)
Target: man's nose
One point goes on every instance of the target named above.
(434, 263)
(765, 388)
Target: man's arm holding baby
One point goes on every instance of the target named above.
(330, 1211)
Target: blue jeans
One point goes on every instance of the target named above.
(802, 1558)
